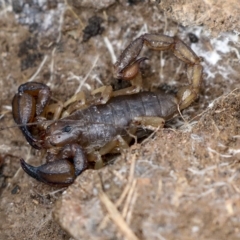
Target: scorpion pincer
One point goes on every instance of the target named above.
(102, 125)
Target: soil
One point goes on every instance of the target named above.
(179, 183)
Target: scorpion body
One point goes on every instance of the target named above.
(99, 124)
(105, 124)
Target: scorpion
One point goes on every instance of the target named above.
(90, 129)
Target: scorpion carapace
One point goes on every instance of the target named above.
(90, 129)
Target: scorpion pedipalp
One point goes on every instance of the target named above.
(23, 106)
(65, 167)
(28, 103)
(59, 172)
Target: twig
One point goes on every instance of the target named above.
(117, 217)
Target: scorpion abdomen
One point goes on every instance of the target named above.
(104, 122)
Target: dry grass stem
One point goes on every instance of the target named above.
(117, 217)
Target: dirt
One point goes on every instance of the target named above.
(217, 16)
(179, 183)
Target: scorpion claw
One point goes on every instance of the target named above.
(64, 168)
(75, 153)
(53, 173)
(28, 103)
(31, 140)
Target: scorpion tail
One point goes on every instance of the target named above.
(59, 172)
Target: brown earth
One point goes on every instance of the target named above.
(179, 183)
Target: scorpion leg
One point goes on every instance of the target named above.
(78, 101)
(105, 94)
(67, 165)
(150, 123)
(55, 109)
(30, 101)
(118, 144)
(79, 97)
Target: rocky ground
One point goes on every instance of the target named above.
(179, 183)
